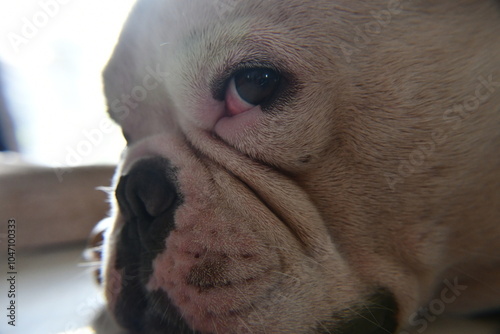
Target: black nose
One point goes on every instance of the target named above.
(147, 197)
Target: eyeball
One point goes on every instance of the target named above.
(249, 88)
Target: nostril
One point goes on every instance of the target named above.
(147, 191)
(147, 197)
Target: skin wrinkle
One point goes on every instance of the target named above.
(317, 188)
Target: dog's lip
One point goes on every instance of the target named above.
(232, 128)
(205, 307)
(218, 313)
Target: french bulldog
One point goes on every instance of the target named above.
(304, 166)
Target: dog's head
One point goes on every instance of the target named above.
(254, 194)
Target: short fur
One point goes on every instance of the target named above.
(378, 169)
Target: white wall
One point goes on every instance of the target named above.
(53, 53)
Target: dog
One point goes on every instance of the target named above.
(304, 167)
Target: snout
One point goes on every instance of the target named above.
(188, 257)
(201, 260)
(148, 198)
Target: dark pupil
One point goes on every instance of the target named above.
(256, 85)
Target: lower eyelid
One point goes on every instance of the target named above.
(234, 103)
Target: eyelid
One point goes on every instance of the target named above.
(234, 103)
(221, 82)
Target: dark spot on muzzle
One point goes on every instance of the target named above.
(162, 317)
(148, 197)
(377, 315)
(158, 316)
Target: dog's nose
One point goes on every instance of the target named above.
(147, 197)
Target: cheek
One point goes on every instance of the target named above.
(289, 142)
(239, 128)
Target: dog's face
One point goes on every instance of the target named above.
(259, 191)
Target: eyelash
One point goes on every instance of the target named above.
(220, 84)
(287, 87)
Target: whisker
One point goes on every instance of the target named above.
(244, 323)
(367, 319)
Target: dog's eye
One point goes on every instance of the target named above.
(249, 88)
(256, 85)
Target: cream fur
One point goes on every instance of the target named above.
(381, 170)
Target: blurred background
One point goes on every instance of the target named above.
(53, 113)
(51, 56)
